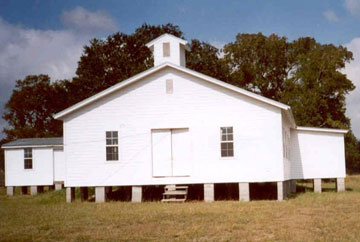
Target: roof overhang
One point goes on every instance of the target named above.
(29, 146)
(324, 130)
(180, 40)
(146, 73)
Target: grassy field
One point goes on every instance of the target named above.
(329, 216)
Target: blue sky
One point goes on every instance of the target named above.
(48, 36)
(205, 20)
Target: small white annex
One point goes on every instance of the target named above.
(34, 163)
(172, 125)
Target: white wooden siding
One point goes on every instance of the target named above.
(41, 174)
(59, 165)
(317, 155)
(177, 52)
(287, 145)
(195, 104)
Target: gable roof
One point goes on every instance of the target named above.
(180, 40)
(152, 70)
(34, 142)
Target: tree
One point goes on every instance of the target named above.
(204, 58)
(303, 74)
(31, 106)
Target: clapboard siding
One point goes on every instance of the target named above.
(286, 139)
(195, 104)
(317, 155)
(41, 174)
(59, 165)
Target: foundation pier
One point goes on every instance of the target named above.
(10, 191)
(244, 192)
(100, 195)
(317, 185)
(136, 194)
(70, 194)
(209, 195)
(340, 184)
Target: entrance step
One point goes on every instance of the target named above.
(175, 193)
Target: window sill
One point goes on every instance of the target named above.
(112, 162)
(228, 158)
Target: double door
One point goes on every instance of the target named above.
(170, 152)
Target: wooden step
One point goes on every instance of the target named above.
(175, 193)
(167, 200)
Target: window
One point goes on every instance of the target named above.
(227, 142)
(166, 49)
(28, 164)
(112, 150)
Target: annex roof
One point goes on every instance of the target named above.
(150, 71)
(325, 130)
(34, 142)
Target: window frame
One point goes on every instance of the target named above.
(112, 145)
(28, 157)
(229, 139)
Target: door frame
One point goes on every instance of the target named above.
(152, 154)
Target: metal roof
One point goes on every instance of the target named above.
(34, 142)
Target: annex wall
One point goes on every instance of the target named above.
(317, 155)
(40, 174)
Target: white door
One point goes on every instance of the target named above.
(161, 152)
(171, 152)
(180, 152)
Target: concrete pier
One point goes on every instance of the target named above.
(281, 191)
(100, 195)
(244, 192)
(317, 185)
(136, 194)
(340, 184)
(33, 190)
(209, 195)
(58, 186)
(70, 194)
(10, 191)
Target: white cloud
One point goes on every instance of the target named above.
(29, 51)
(331, 16)
(26, 51)
(90, 22)
(353, 6)
(352, 70)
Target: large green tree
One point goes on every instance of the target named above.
(31, 106)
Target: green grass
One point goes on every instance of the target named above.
(329, 216)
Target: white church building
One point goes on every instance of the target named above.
(172, 125)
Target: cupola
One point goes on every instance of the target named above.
(168, 48)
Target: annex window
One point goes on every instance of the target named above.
(112, 149)
(28, 162)
(227, 142)
(166, 49)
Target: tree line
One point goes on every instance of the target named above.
(302, 73)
